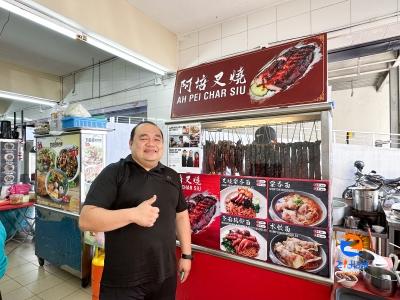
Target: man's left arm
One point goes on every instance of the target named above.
(183, 233)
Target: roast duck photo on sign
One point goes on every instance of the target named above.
(284, 71)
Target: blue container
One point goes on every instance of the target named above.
(73, 122)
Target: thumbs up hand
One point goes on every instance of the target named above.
(145, 214)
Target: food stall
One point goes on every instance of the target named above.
(260, 199)
(66, 165)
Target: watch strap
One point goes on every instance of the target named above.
(187, 256)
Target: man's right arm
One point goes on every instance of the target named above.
(93, 218)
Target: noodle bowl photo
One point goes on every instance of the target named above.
(297, 252)
(298, 208)
(244, 202)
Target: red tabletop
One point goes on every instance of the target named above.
(5, 205)
(361, 286)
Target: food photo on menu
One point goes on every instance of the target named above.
(244, 237)
(203, 208)
(298, 202)
(301, 248)
(244, 197)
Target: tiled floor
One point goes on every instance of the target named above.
(25, 279)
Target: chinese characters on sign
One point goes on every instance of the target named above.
(293, 73)
(230, 86)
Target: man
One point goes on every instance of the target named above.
(138, 203)
(189, 161)
(184, 158)
(265, 135)
(180, 141)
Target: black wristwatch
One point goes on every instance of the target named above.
(187, 256)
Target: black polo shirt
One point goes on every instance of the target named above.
(136, 254)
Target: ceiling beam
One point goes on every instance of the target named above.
(356, 75)
(385, 77)
(381, 82)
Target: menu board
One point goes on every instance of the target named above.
(202, 196)
(278, 221)
(93, 159)
(298, 235)
(243, 228)
(9, 162)
(184, 153)
(58, 172)
(301, 248)
(298, 202)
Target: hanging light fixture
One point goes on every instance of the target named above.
(49, 19)
(26, 98)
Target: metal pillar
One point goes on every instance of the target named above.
(394, 83)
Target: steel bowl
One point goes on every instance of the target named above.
(365, 256)
(380, 281)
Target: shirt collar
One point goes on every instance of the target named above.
(157, 168)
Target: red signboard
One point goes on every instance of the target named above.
(288, 74)
(202, 196)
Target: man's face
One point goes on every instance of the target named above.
(147, 145)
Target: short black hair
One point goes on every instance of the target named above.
(264, 135)
(144, 122)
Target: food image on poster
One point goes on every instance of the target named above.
(8, 168)
(244, 197)
(284, 71)
(58, 172)
(68, 161)
(298, 202)
(201, 193)
(243, 201)
(244, 237)
(46, 159)
(300, 248)
(298, 208)
(57, 185)
(202, 208)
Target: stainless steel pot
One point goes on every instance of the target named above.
(381, 281)
(365, 199)
(351, 222)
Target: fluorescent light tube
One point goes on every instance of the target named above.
(41, 20)
(36, 13)
(26, 98)
(126, 55)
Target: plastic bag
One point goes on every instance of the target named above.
(76, 110)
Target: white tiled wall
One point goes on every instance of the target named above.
(116, 77)
(289, 20)
(294, 26)
(366, 9)
(292, 8)
(334, 16)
